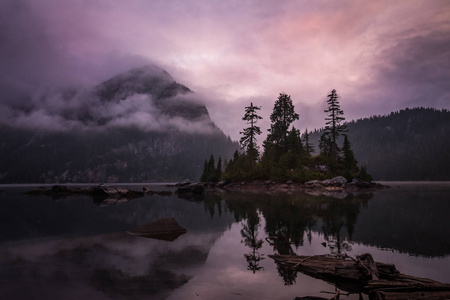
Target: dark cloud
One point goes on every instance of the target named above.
(32, 56)
(381, 56)
(416, 69)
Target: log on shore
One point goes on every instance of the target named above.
(363, 274)
(428, 295)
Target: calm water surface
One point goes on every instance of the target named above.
(77, 247)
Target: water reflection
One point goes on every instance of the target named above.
(249, 233)
(289, 218)
(71, 248)
(399, 219)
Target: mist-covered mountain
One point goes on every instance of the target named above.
(138, 126)
(411, 144)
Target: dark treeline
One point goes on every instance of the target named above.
(410, 144)
(112, 155)
(287, 154)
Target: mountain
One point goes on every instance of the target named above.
(138, 126)
(411, 144)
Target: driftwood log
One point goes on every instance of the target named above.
(363, 275)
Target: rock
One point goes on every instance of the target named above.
(326, 182)
(221, 184)
(338, 181)
(312, 182)
(289, 182)
(149, 192)
(166, 229)
(356, 180)
(99, 193)
(183, 183)
(364, 185)
(60, 189)
(195, 188)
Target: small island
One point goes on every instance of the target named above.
(288, 160)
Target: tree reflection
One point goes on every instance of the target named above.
(337, 216)
(289, 220)
(249, 233)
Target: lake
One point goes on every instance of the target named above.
(78, 248)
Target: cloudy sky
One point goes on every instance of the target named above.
(380, 56)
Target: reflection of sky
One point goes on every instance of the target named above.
(225, 274)
(207, 262)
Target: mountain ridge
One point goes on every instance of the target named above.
(410, 144)
(137, 126)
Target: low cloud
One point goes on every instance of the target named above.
(84, 111)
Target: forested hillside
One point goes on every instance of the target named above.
(138, 126)
(411, 144)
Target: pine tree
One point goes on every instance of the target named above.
(248, 140)
(210, 173)
(325, 145)
(309, 148)
(348, 160)
(218, 170)
(282, 116)
(333, 127)
(363, 175)
(205, 172)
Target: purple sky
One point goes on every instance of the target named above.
(380, 56)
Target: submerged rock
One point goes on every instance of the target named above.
(166, 229)
(183, 183)
(99, 193)
(195, 188)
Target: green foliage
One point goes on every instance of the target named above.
(349, 161)
(211, 173)
(410, 144)
(309, 148)
(240, 168)
(286, 156)
(333, 127)
(248, 139)
(282, 116)
(363, 175)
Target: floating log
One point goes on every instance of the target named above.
(363, 274)
(166, 229)
(429, 295)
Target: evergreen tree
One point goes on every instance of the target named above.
(218, 170)
(333, 127)
(348, 160)
(363, 175)
(295, 142)
(325, 146)
(282, 116)
(205, 172)
(309, 148)
(248, 140)
(210, 172)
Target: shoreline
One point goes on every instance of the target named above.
(315, 188)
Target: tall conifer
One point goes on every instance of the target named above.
(333, 127)
(282, 116)
(248, 139)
